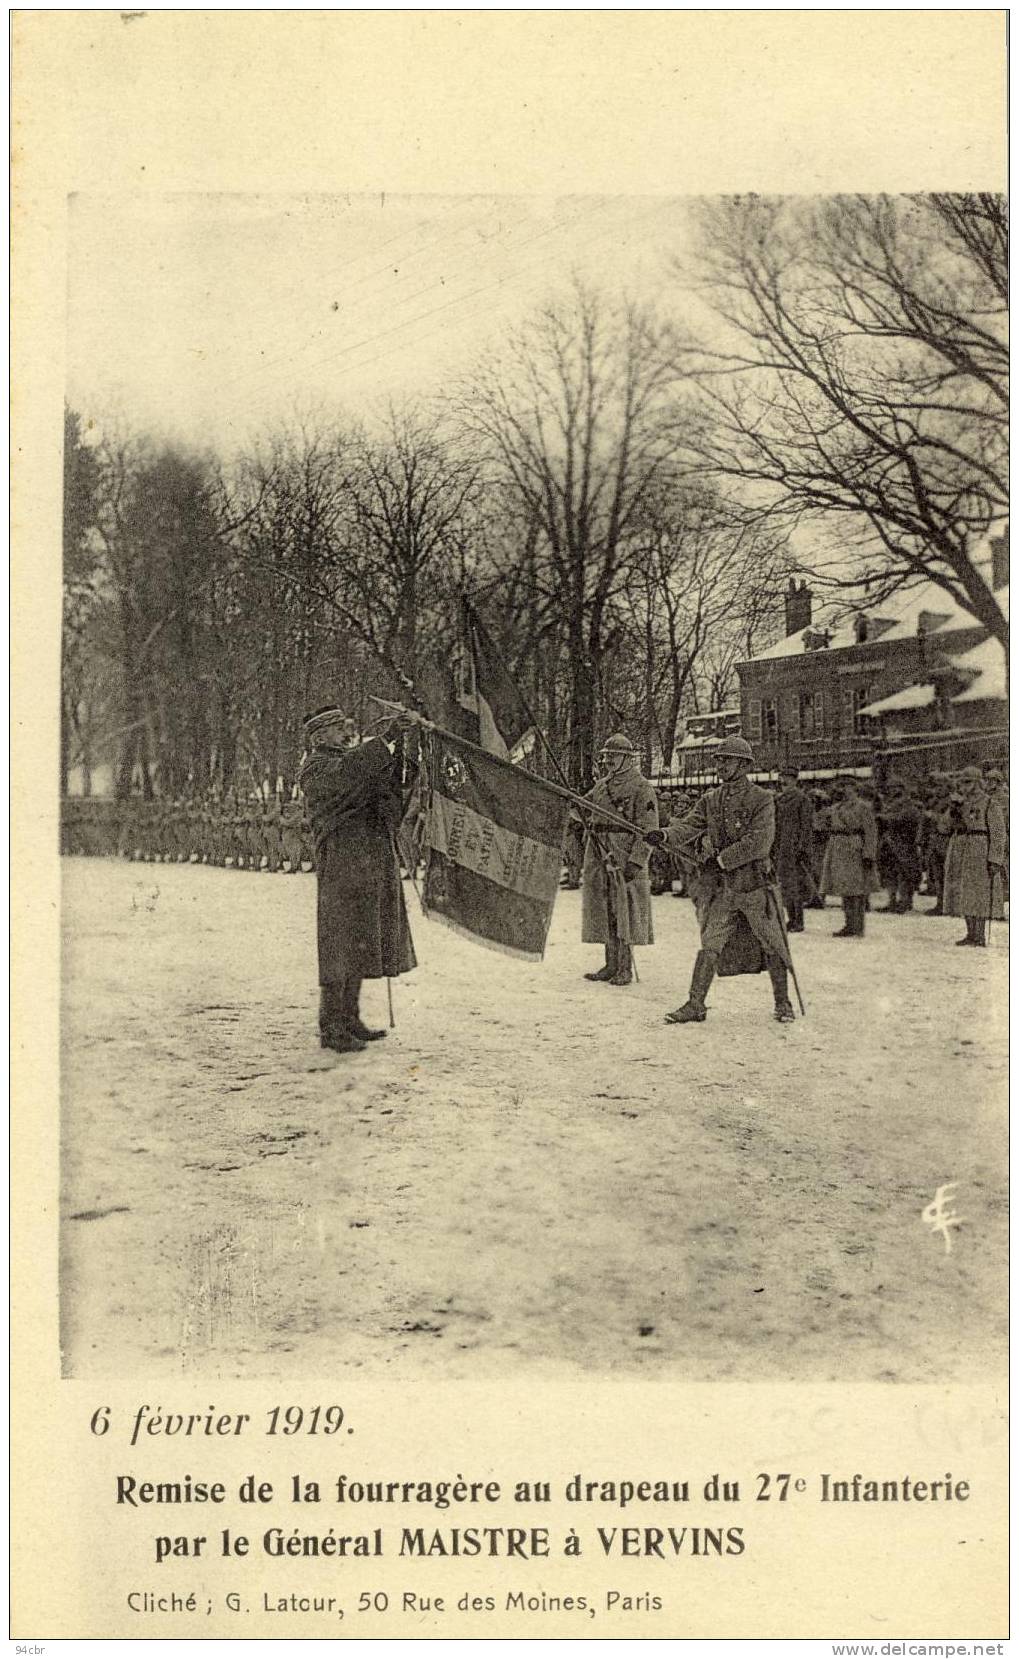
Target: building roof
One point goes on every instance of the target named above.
(986, 662)
(901, 613)
(913, 697)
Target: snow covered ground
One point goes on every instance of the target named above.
(531, 1170)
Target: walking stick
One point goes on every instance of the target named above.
(785, 939)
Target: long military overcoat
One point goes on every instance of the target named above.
(730, 833)
(794, 827)
(354, 804)
(971, 887)
(611, 911)
(849, 869)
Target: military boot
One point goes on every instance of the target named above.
(352, 1000)
(624, 966)
(779, 976)
(611, 962)
(694, 1009)
(334, 1032)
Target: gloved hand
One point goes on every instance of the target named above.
(655, 838)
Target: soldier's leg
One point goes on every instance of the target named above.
(624, 965)
(695, 1008)
(714, 936)
(979, 930)
(334, 1031)
(355, 1024)
(779, 976)
(603, 975)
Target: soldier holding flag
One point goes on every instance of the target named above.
(617, 887)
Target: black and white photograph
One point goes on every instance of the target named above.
(510, 830)
(534, 790)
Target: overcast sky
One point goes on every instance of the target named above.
(206, 317)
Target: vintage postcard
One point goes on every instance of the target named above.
(511, 826)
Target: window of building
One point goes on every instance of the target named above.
(859, 697)
(754, 711)
(769, 718)
(811, 713)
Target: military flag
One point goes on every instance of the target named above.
(488, 709)
(492, 838)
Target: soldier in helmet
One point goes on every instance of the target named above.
(617, 888)
(729, 835)
(974, 864)
(850, 859)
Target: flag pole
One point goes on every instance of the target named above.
(610, 817)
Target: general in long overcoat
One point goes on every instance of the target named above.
(354, 804)
(975, 859)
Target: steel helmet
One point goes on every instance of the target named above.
(618, 743)
(736, 748)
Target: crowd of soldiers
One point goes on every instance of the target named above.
(908, 822)
(228, 830)
(913, 825)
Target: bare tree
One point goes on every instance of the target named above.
(410, 494)
(572, 421)
(701, 576)
(861, 386)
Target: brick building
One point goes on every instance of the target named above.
(918, 668)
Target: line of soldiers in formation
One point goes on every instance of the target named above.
(913, 825)
(225, 830)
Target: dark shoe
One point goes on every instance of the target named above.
(367, 1033)
(937, 911)
(603, 974)
(784, 1013)
(341, 1042)
(845, 933)
(622, 976)
(690, 1013)
(795, 927)
(966, 941)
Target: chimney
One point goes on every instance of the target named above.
(999, 561)
(861, 628)
(799, 603)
